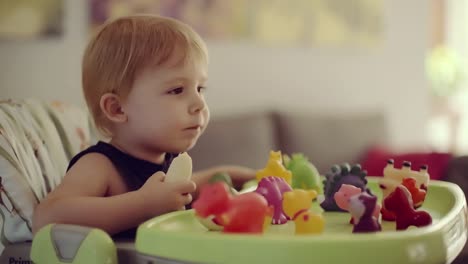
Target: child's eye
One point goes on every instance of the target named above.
(177, 90)
(201, 88)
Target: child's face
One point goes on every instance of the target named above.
(166, 108)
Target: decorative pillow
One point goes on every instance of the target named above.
(376, 158)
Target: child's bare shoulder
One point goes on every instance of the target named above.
(94, 163)
(92, 175)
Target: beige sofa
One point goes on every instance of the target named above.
(326, 139)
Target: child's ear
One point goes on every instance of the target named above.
(112, 108)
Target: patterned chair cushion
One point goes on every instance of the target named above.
(37, 140)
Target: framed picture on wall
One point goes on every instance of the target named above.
(31, 19)
(271, 22)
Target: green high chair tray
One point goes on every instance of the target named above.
(179, 236)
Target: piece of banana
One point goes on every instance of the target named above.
(180, 168)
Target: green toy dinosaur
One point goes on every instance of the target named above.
(224, 177)
(304, 174)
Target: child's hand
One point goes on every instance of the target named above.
(164, 197)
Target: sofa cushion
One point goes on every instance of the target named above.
(457, 173)
(245, 139)
(328, 139)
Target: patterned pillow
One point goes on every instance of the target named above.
(36, 142)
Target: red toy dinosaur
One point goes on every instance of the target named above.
(401, 204)
(244, 213)
(417, 194)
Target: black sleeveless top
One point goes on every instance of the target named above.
(134, 171)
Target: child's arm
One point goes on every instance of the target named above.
(239, 176)
(84, 198)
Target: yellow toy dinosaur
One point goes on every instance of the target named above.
(274, 167)
(296, 204)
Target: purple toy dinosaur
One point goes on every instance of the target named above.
(361, 207)
(272, 188)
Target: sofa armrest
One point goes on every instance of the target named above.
(457, 172)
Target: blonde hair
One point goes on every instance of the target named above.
(121, 48)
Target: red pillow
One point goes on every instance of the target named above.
(376, 158)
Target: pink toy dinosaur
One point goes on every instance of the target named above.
(401, 204)
(343, 195)
(244, 213)
(272, 188)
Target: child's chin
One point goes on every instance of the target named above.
(180, 149)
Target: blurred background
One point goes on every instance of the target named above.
(406, 59)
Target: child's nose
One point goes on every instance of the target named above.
(197, 104)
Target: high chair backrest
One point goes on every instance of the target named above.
(37, 140)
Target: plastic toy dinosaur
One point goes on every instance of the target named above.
(417, 194)
(422, 176)
(296, 205)
(304, 174)
(362, 207)
(244, 213)
(272, 188)
(339, 175)
(274, 167)
(224, 177)
(400, 203)
(393, 177)
(343, 196)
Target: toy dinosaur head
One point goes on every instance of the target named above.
(344, 174)
(362, 204)
(343, 195)
(339, 175)
(297, 158)
(399, 199)
(213, 200)
(297, 200)
(275, 156)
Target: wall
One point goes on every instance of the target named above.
(246, 77)
(456, 37)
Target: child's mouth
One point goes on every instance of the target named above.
(193, 127)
